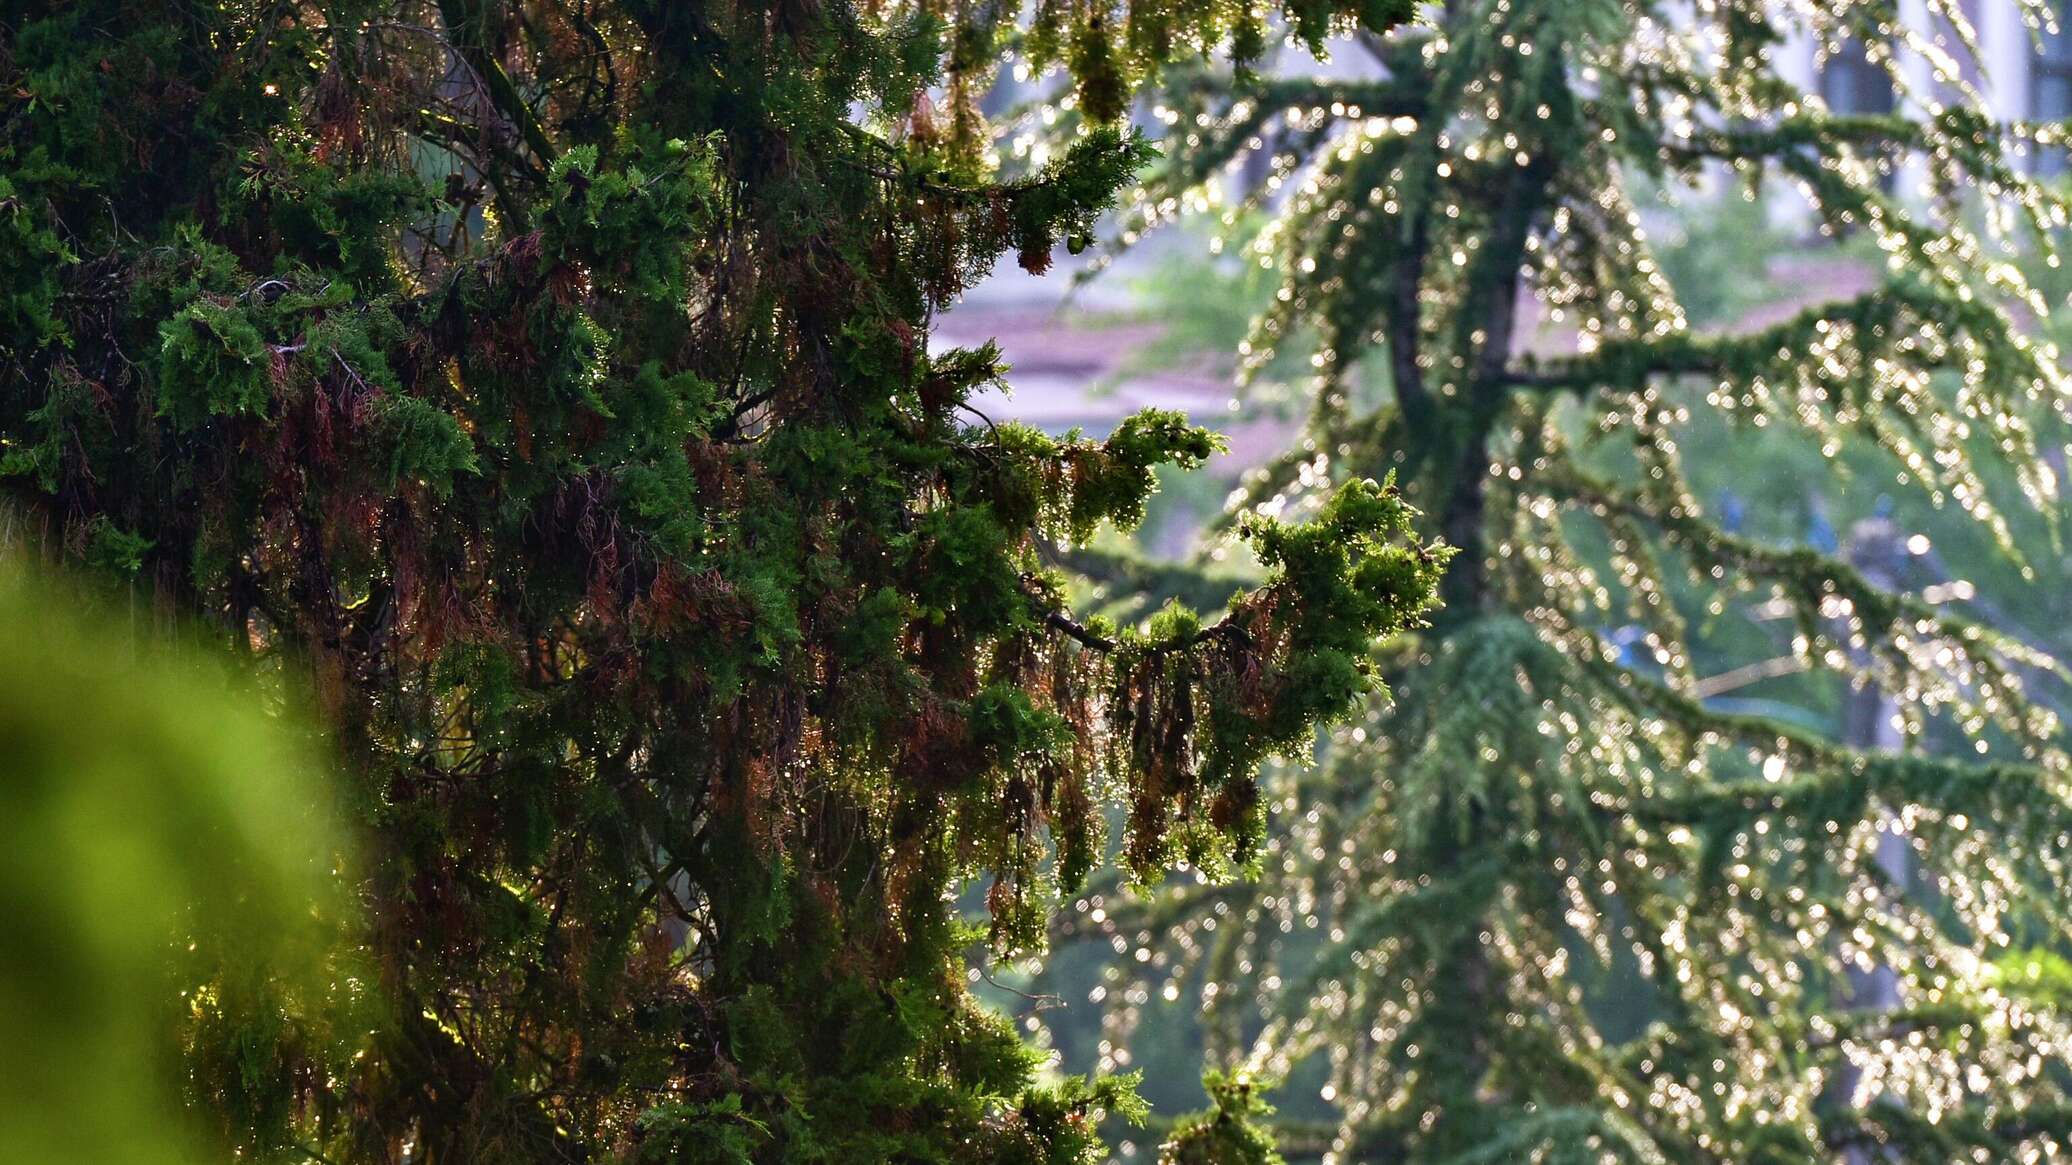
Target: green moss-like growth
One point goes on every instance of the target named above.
(1230, 1133)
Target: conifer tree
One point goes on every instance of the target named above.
(546, 385)
(1446, 899)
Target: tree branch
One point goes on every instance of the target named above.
(465, 26)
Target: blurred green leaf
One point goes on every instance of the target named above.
(168, 875)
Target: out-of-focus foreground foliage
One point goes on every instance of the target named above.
(169, 880)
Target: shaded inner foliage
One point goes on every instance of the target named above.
(547, 386)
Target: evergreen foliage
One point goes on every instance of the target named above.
(548, 382)
(1540, 817)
